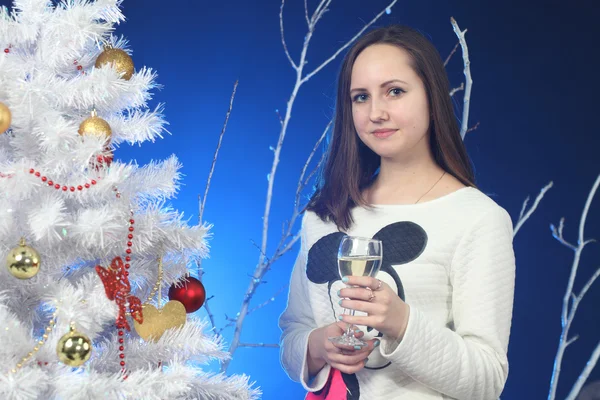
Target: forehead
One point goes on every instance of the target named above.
(381, 62)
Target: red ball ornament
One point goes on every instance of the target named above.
(190, 292)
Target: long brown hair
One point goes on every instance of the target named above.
(350, 166)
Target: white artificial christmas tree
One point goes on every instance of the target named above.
(87, 240)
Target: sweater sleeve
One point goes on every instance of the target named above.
(470, 361)
(296, 323)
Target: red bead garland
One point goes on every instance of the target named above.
(58, 186)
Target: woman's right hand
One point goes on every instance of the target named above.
(346, 359)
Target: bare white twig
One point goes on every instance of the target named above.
(337, 53)
(524, 216)
(457, 89)
(287, 53)
(312, 153)
(451, 54)
(589, 366)
(306, 13)
(266, 303)
(471, 129)
(572, 301)
(285, 244)
(467, 71)
(275, 345)
(202, 202)
(214, 161)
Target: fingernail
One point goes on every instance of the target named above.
(356, 331)
(341, 317)
(357, 347)
(345, 279)
(376, 344)
(366, 360)
(340, 302)
(339, 293)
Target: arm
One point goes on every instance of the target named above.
(469, 362)
(297, 323)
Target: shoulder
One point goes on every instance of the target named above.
(479, 210)
(314, 228)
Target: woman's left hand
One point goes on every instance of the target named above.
(386, 311)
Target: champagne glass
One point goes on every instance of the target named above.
(357, 256)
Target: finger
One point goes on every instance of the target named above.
(364, 281)
(348, 360)
(359, 305)
(340, 348)
(370, 320)
(357, 293)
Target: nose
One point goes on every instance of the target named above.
(378, 112)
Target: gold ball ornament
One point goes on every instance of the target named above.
(23, 262)
(157, 322)
(74, 348)
(5, 118)
(95, 126)
(120, 60)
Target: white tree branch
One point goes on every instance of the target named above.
(337, 53)
(589, 366)
(264, 264)
(287, 53)
(214, 161)
(451, 54)
(524, 216)
(568, 313)
(467, 71)
(457, 89)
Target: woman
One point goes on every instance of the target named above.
(437, 316)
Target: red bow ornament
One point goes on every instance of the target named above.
(117, 287)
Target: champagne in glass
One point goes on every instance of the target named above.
(357, 256)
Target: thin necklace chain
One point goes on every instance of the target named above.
(430, 189)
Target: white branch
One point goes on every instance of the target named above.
(457, 89)
(589, 366)
(263, 266)
(214, 161)
(524, 216)
(337, 53)
(467, 71)
(568, 313)
(287, 53)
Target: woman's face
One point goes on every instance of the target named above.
(389, 103)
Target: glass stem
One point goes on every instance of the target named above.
(348, 330)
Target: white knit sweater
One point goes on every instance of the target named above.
(452, 261)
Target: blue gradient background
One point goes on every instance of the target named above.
(534, 93)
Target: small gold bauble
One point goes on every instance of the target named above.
(5, 118)
(156, 322)
(23, 262)
(74, 348)
(95, 126)
(119, 60)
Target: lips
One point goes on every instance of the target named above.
(383, 133)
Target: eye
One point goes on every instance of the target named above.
(396, 92)
(360, 98)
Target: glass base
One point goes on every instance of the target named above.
(345, 340)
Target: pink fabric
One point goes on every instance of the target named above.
(334, 389)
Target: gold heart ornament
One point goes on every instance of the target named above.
(157, 322)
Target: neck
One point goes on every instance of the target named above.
(407, 171)
(403, 180)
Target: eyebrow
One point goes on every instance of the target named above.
(382, 85)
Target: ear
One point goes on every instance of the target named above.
(322, 266)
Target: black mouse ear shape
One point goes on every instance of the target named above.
(322, 264)
(402, 241)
